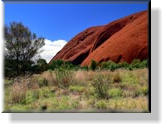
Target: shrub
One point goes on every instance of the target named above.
(114, 66)
(31, 96)
(115, 92)
(42, 82)
(124, 65)
(136, 63)
(101, 104)
(46, 92)
(130, 67)
(93, 65)
(64, 78)
(55, 64)
(142, 91)
(8, 82)
(101, 85)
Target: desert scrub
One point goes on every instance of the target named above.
(31, 96)
(129, 78)
(50, 77)
(138, 104)
(42, 81)
(143, 90)
(46, 92)
(101, 85)
(115, 92)
(77, 88)
(117, 78)
(8, 82)
(64, 104)
(101, 104)
(18, 93)
(64, 78)
(129, 93)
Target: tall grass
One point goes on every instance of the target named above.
(68, 90)
(18, 93)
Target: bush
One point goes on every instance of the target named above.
(64, 78)
(101, 104)
(42, 82)
(115, 92)
(31, 96)
(136, 63)
(142, 91)
(8, 82)
(46, 92)
(76, 88)
(60, 64)
(93, 65)
(101, 85)
(109, 65)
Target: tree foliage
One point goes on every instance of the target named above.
(93, 65)
(21, 46)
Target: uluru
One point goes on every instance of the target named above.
(122, 40)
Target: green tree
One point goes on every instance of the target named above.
(93, 65)
(21, 45)
(42, 64)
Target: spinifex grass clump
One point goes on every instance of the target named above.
(64, 78)
(101, 84)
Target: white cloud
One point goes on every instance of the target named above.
(50, 48)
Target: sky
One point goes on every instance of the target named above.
(58, 23)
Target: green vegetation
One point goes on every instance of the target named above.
(93, 65)
(115, 92)
(101, 85)
(59, 64)
(21, 45)
(78, 91)
(63, 78)
(32, 85)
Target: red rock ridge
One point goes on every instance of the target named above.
(122, 40)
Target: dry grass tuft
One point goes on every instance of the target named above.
(18, 93)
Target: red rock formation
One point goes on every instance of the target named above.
(122, 40)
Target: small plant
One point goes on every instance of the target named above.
(101, 104)
(101, 85)
(115, 92)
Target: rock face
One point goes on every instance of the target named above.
(121, 40)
